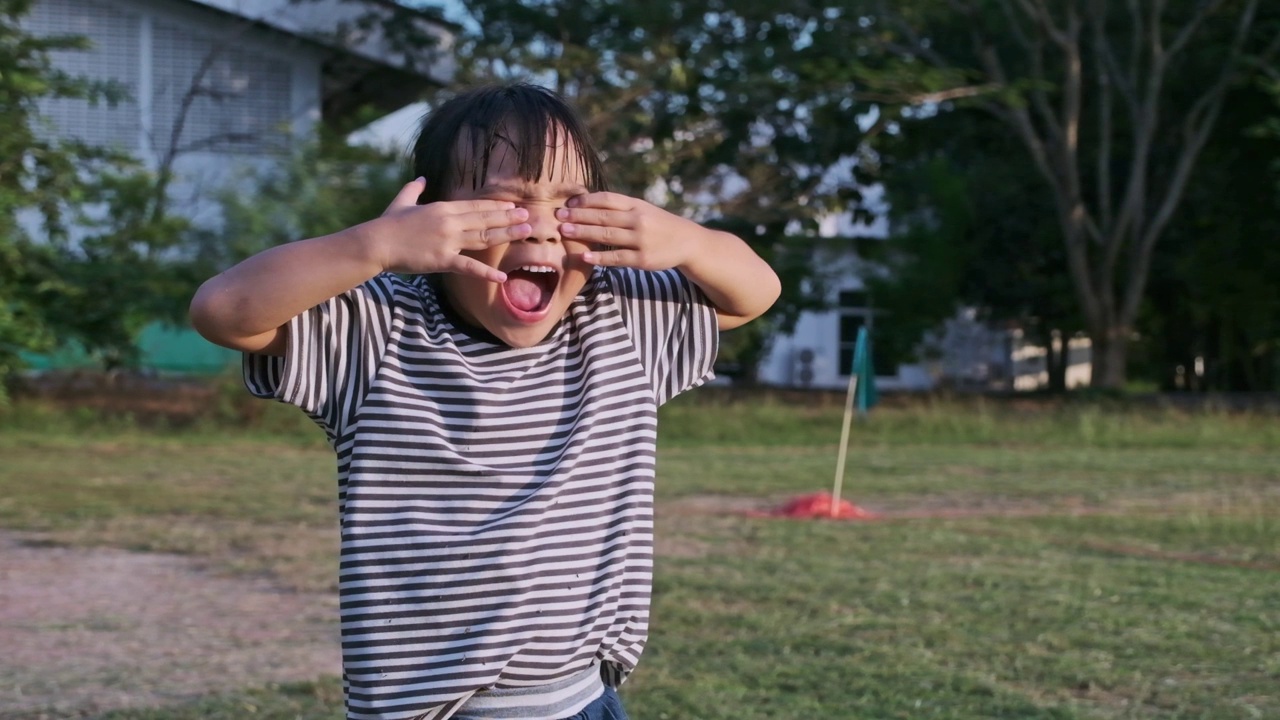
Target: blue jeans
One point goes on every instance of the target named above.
(605, 707)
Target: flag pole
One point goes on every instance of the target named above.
(844, 443)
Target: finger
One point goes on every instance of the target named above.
(464, 265)
(603, 234)
(602, 200)
(612, 258)
(489, 237)
(408, 195)
(597, 216)
(493, 218)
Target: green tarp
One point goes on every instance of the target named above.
(164, 349)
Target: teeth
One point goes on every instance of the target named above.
(537, 269)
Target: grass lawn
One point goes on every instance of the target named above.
(1073, 562)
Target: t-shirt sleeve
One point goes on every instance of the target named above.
(673, 325)
(334, 350)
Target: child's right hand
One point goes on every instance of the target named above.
(417, 239)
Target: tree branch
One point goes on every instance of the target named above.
(918, 47)
(1039, 97)
(1111, 66)
(1197, 126)
(1153, 29)
(1101, 48)
(1015, 24)
(1076, 223)
(1133, 208)
(212, 140)
(925, 98)
(1135, 50)
(1203, 10)
(1037, 10)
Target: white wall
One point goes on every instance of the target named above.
(262, 89)
(817, 334)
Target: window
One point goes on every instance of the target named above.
(225, 97)
(855, 313)
(114, 35)
(854, 300)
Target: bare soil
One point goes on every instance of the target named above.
(86, 630)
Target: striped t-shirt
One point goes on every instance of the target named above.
(495, 502)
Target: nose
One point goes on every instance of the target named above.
(542, 220)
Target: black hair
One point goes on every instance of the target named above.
(519, 115)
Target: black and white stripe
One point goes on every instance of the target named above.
(496, 502)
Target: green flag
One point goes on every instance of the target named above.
(867, 395)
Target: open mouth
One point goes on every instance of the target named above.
(529, 289)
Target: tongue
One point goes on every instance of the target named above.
(524, 292)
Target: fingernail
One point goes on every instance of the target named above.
(589, 257)
(562, 214)
(568, 228)
(523, 229)
(420, 179)
(521, 214)
(572, 202)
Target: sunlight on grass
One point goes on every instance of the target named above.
(1141, 584)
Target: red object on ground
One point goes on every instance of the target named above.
(818, 506)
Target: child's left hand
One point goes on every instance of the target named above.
(639, 234)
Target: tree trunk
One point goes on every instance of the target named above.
(1110, 350)
(1055, 361)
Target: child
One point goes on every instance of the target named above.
(494, 410)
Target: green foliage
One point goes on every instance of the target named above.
(1213, 294)
(85, 241)
(925, 262)
(973, 227)
(1269, 127)
(36, 174)
(323, 187)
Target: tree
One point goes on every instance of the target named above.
(1213, 292)
(1096, 93)
(85, 237)
(966, 233)
(39, 176)
(324, 186)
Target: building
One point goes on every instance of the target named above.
(215, 87)
(964, 353)
(818, 352)
(218, 89)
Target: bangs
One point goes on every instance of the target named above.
(461, 139)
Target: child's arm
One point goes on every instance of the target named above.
(737, 281)
(246, 307)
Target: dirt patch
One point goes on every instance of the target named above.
(924, 507)
(962, 506)
(84, 631)
(699, 510)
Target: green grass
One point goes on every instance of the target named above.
(308, 700)
(1147, 587)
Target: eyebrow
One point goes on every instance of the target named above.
(522, 190)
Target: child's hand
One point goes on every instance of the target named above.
(640, 235)
(432, 238)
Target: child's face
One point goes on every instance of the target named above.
(545, 272)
